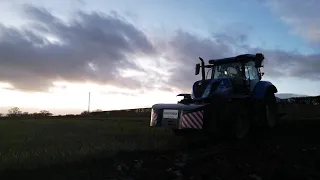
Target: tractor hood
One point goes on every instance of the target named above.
(204, 89)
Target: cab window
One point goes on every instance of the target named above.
(250, 71)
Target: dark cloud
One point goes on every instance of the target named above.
(95, 47)
(279, 64)
(185, 48)
(31, 62)
(303, 17)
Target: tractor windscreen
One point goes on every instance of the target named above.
(227, 70)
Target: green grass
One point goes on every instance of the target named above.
(36, 143)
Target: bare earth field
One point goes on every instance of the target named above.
(128, 149)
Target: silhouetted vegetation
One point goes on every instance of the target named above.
(16, 113)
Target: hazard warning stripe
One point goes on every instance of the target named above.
(154, 116)
(198, 117)
(192, 120)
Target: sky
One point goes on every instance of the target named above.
(132, 54)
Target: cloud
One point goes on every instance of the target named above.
(185, 48)
(301, 16)
(291, 64)
(90, 47)
(101, 48)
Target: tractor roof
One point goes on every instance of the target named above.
(239, 58)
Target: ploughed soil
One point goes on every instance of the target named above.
(290, 151)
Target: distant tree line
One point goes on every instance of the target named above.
(140, 112)
(309, 100)
(16, 112)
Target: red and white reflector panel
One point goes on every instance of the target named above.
(192, 120)
(154, 118)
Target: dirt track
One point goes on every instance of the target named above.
(291, 151)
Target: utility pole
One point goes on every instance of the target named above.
(89, 102)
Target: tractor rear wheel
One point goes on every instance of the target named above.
(270, 110)
(241, 125)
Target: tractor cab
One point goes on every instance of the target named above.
(238, 74)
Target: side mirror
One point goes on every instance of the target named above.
(197, 70)
(260, 75)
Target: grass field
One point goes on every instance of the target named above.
(36, 143)
(128, 149)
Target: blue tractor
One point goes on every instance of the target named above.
(229, 102)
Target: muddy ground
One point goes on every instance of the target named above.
(291, 151)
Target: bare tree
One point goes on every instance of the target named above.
(45, 113)
(15, 111)
(25, 114)
(83, 113)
